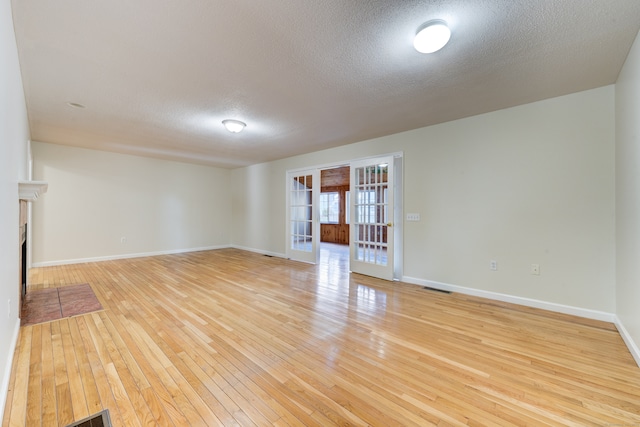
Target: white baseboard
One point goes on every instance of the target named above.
(4, 391)
(626, 337)
(528, 302)
(259, 251)
(125, 256)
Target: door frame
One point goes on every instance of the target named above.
(398, 228)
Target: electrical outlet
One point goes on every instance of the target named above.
(123, 240)
(493, 265)
(535, 269)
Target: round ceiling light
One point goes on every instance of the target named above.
(234, 126)
(432, 36)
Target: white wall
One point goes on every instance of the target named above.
(530, 184)
(95, 198)
(628, 197)
(14, 136)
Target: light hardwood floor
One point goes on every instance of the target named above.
(230, 337)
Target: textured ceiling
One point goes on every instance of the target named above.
(157, 77)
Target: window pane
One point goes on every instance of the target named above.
(324, 208)
(329, 207)
(334, 207)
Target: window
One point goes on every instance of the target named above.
(329, 207)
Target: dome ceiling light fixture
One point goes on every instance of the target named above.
(432, 36)
(234, 126)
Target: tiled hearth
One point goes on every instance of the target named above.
(45, 305)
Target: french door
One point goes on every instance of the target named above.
(303, 227)
(371, 217)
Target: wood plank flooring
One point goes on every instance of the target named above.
(234, 338)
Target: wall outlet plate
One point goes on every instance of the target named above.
(413, 217)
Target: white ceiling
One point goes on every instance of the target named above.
(157, 77)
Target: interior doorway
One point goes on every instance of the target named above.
(348, 213)
(334, 205)
(334, 215)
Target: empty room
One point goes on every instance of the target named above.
(381, 213)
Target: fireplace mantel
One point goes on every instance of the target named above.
(30, 190)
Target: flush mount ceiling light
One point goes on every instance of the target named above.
(233, 126)
(432, 36)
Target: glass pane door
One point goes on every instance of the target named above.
(302, 222)
(371, 217)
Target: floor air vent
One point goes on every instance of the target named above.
(101, 419)
(427, 288)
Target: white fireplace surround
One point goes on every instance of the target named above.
(31, 190)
